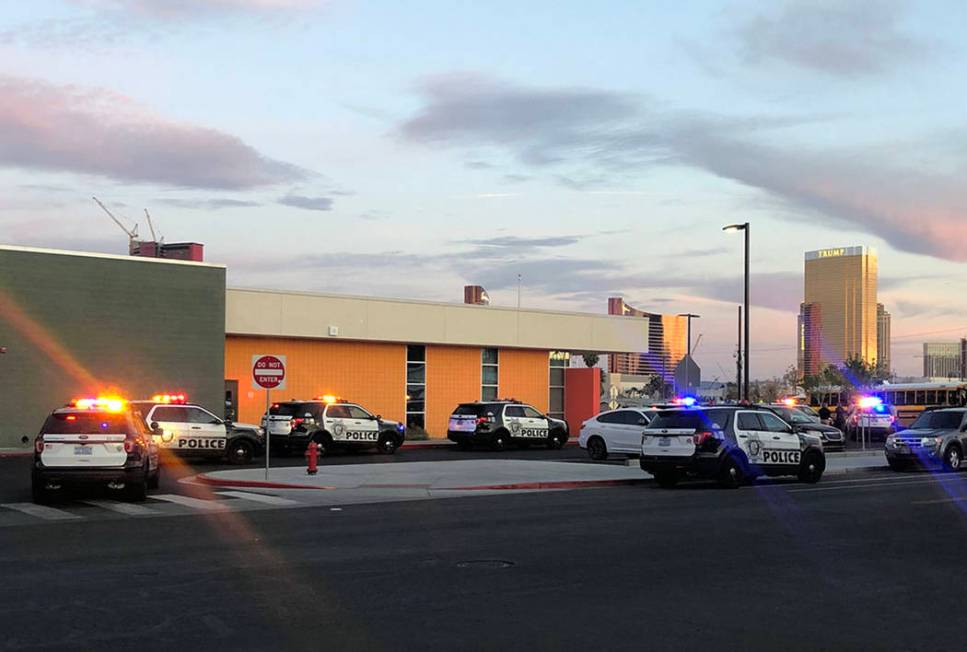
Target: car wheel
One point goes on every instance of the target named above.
(240, 451)
(812, 467)
(597, 449)
(138, 491)
(155, 480)
(556, 440)
(731, 475)
(666, 479)
(499, 442)
(953, 458)
(387, 445)
(897, 465)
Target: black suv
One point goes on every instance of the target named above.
(500, 423)
(731, 444)
(832, 437)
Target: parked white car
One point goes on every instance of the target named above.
(615, 431)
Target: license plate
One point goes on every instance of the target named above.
(83, 450)
(664, 441)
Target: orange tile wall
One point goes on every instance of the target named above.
(372, 374)
(525, 375)
(452, 377)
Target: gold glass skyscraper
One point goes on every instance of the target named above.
(838, 316)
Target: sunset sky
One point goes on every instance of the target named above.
(596, 149)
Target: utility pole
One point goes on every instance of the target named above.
(738, 360)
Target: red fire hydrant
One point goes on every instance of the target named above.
(312, 457)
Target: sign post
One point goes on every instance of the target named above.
(268, 373)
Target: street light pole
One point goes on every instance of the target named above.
(688, 355)
(744, 227)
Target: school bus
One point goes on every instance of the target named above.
(908, 399)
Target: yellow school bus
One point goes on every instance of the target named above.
(908, 399)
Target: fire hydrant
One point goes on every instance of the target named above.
(312, 457)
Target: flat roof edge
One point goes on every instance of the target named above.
(92, 254)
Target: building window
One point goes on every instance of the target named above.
(558, 363)
(489, 359)
(416, 387)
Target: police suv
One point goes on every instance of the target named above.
(100, 441)
(190, 430)
(729, 443)
(499, 423)
(331, 423)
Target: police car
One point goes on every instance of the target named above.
(331, 423)
(500, 423)
(190, 430)
(732, 444)
(95, 441)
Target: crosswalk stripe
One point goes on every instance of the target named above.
(188, 501)
(41, 511)
(259, 498)
(128, 509)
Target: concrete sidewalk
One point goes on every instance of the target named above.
(470, 475)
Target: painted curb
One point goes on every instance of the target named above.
(254, 484)
(446, 443)
(15, 453)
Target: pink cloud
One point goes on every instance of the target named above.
(99, 132)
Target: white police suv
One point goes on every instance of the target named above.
(332, 423)
(732, 444)
(500, 423)
(190, 430)
(95, 441)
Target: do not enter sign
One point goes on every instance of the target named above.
(268, 371)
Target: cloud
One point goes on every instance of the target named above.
(617, 134)
(180, 8)
(209, 204)
(850, 39)
(98, 132)
(519, 242)
(308, 203)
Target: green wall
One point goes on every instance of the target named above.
(73, 324)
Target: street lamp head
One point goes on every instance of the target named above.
(688, 314)
(736, 227)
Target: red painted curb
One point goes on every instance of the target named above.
(446, 443)
(559, 484)
(5, 454)
(261, 484)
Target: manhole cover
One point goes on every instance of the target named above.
(485, 563)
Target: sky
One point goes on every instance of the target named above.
(593, 149)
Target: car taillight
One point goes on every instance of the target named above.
(700, 438)
(129, 446)
(482, 420)
(39, 445)
(296, 422)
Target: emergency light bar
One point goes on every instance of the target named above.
(170, 398)
(109, 403)
(328, 398)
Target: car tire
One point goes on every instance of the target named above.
(155, 480)
(138, 491)
(556, 440)
(731, 475)
(386, 444)
(240, 451)
(953, 458)
(812, 467)
(597, 449)
(898, 465)
(499, 442)
(666, 479)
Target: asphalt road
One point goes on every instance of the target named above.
(872, 561)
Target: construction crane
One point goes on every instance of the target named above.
(131, 233)
(151, 228)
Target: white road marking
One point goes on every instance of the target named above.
(874, 486)
(195, 503)
(955, 499)
(259, 498)
(128, 509)
(335, 509)
(42, 511)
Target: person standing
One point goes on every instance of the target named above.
(839, 420)
(824, 414)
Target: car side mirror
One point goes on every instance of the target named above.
(155, 428)
(378, 417)
(642, 422)
(216, 422)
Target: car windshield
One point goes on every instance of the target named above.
(795, 416)
(469, 409)
(938, 421)
(89, 423)
(691, 419)
(288, 409)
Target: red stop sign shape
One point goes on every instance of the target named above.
(268, 372)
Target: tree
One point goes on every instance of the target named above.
(860, 374)
(590, 358)
(656, 385)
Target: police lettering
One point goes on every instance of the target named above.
(203, 444)
(780, 457)
(533, 433)
(362, 435)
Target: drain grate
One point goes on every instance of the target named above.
(485, 563)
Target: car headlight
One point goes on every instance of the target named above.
(891, 441)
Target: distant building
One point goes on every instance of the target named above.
(883, 356)
(475, 295)
(666, 344)
(838, 316)
(943, 359)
